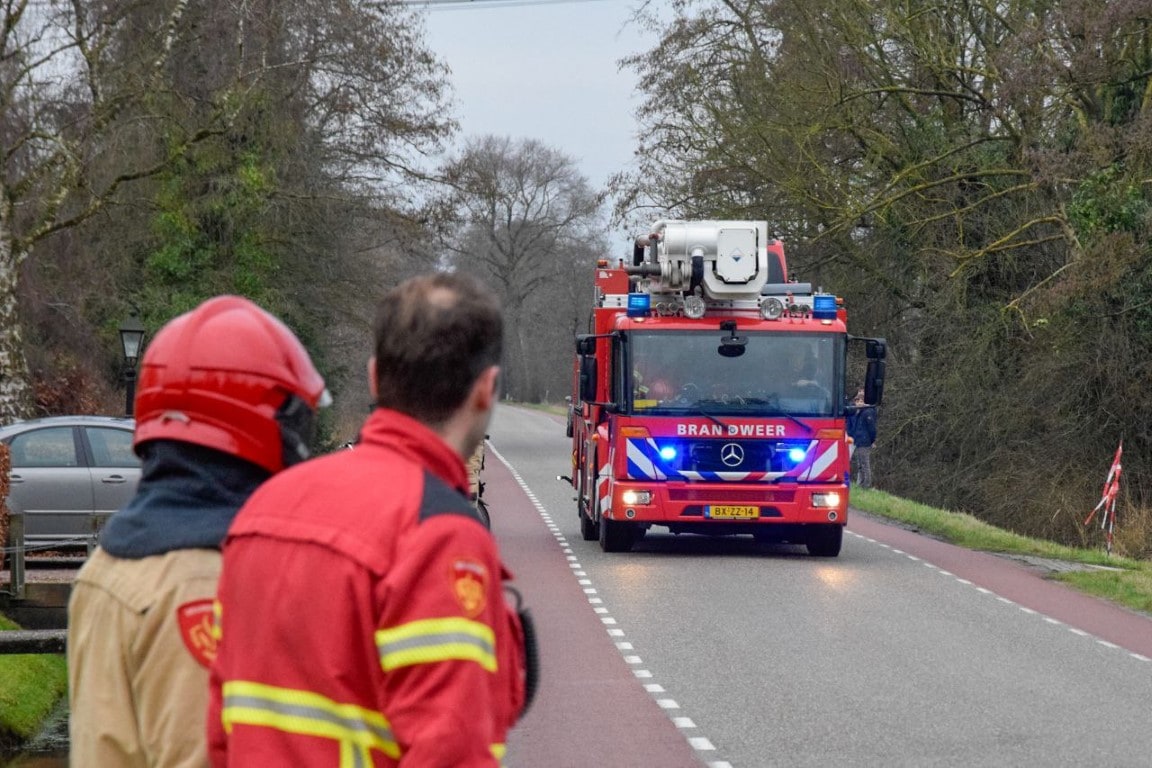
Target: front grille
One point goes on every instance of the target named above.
(758, 456)
(721, 495)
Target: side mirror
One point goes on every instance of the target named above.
(876, 349)
(585, 344)
(588, 378)
(874, 382)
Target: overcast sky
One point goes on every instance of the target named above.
(545, 70)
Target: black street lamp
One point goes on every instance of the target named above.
(131, 339)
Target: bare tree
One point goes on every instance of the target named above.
(60, 112)
(274, 139)
(519, 212)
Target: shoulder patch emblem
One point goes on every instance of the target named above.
(470, 585)
(195, 622)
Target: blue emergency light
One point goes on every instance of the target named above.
(639, 304)
(668, 452)
(824, 306)
(796, 455)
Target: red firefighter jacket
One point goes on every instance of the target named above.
(361, 615)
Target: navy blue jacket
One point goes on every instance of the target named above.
(862, 427)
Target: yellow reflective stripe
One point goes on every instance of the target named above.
(354, 756)
(433, 640)
(217, 620)
(498, 750)
(308, 714)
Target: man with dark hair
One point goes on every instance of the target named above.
(361, 610)
(862, 430)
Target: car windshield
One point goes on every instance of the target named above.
(778, 374)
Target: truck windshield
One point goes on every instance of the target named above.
(681, 372)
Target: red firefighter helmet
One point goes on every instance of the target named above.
(230, 376)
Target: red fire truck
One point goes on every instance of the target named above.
(710, 395)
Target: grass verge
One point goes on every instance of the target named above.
(1122, 580)
(31, 686)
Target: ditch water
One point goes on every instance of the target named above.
(48, 750)
(45, 608)
(46, 760)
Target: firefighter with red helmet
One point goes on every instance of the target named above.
(227, 397)
(362, 611)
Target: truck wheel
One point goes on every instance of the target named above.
(615, 536)
(589, 530)
(825, 540)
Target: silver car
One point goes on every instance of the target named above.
(69, 473)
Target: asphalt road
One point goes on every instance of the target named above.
(723, 652)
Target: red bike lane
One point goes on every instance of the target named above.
(590, 710)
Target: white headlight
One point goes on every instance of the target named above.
(826, 499)
(632, 497)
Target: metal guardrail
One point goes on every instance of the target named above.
(33, 641)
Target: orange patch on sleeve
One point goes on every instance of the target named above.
(195, 620)
(470, 585)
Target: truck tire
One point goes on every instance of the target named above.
(825, 540)
(589, 530)
(615, 536)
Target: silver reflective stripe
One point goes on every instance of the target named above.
(432, 641)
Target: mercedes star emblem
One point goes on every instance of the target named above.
(732, 455)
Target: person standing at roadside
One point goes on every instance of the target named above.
(361, 611)
(863, 433)
(227, 397)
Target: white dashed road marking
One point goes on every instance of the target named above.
(702, 743)
(1005, 600)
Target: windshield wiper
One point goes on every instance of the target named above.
(776, 412)
(789, 416)
(701, 403)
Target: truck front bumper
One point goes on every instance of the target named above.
(691, 506)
